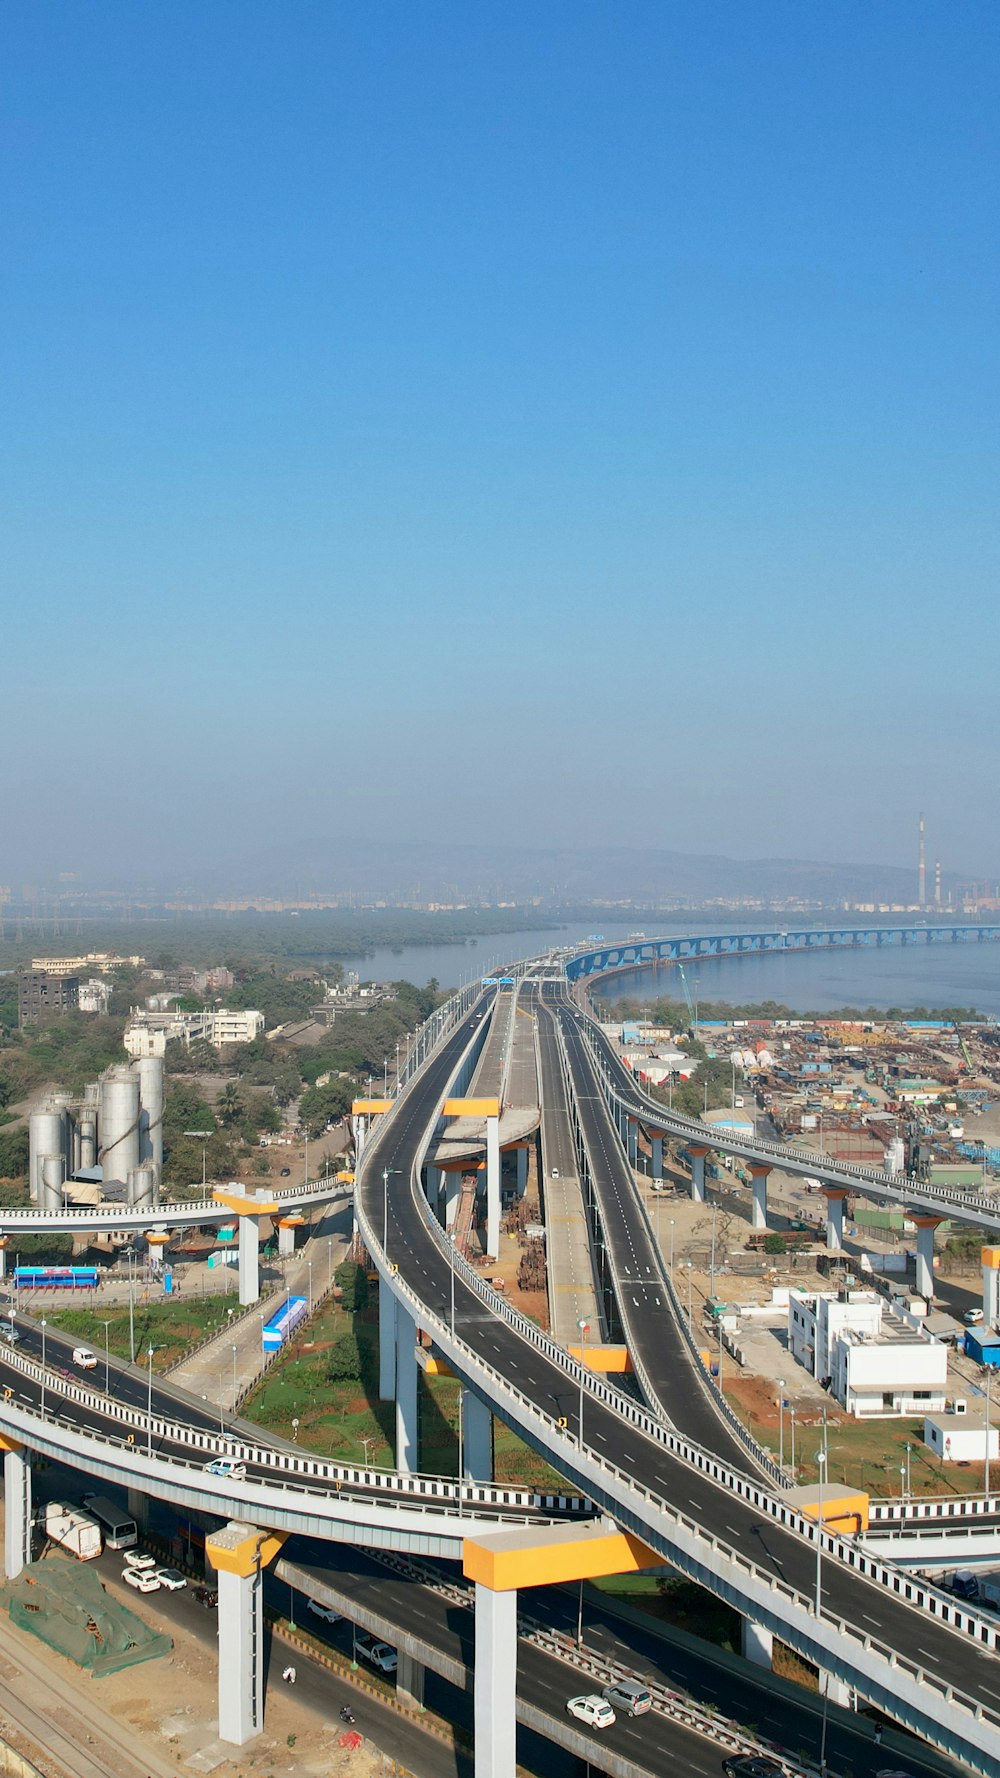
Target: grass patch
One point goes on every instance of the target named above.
(867, 1455)
(170, 1327)
(675, 1600)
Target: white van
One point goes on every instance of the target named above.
(85, 1358)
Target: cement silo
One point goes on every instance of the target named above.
(141, 1186)
(149, 1070)
(88, 1137)
(119, 1123)
(52, 1171)
(46, 1136)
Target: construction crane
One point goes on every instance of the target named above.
(690, 1003)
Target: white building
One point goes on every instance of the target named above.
(961, 1437)
(878, 1364)
(94, 996)
(148, 1033)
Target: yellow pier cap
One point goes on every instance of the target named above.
(157, 1238)
(7, 1443)
(990, 1256)
(609, 1360)
(242, 1549)
(844, 1509)
(369, 1107)
(241, 1204)
(471, 1108)
(549, 1555)
(291, 1222)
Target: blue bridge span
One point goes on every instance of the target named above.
(635, 952)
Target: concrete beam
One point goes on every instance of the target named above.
(17, 1508)
(407, 1435)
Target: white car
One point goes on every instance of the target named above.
(141, 1580)
(596, 1712)
(378, 1654)
(327, 1612)
(85, 1358)
(973, 1317)
(171, 1578)
(136, 1558)
(228, 1468)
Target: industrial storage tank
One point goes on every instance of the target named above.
(119, 1123)
(141, 1185)
(149, 1070)
(88, 1138)
(52, 1176)
(46, 1136)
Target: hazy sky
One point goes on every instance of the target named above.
(554, 421)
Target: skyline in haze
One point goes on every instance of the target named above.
(566, 430)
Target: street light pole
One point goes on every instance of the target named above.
(149, 1405)
(584, 1327)
(107, 1358)
(43, 1367)
(821, 1465)
(309, 1268)
(781, 1422)
(989, 1398)
(671, 1250)
(234, 1379)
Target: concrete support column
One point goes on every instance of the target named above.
(495, 1683)
(758, 1643)
(138, 1506)
(386, 1343)
(834, 1218)
(409, 1681)
(493, 1188)
(632, 1140)
(452, 1193)
(286, 1241)
(249, 1260)
(656, 1160)
(758, 1213)
(407, 1454)
(241, 1656)
(926, 1226)
(17, 1509)
(522, 1172)
(837, 1691)
(359, 1125)
(477, 1439)
(697, 1173)
(991, 1285)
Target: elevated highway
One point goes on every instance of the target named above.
(634, 953)
(709, 1520)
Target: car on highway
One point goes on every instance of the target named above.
(9, 1333)
(228, 1467)
(595, 1711)
(973, 1317)
(132, 1558)
(378, 1654)
(555, 1172)
(85, 1358)
(326, 1612)
(141, 1580)
(171, 1578)
(751, 1765)
(628, 1695)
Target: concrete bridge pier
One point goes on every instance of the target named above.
(493, 1187)
(522, 1171)
(632, 1140)
(386, 1343)
(249, 1260)
(407, 1434)
(926, 1226)
(477, 1438)
(17, 1506)
(758, 1644)
(138, 1506)
(656, 1159)
(409, 1681)
(698, 1155)
(835, 1196)
(758, 1214)
(239, 1554)
(990, 1257)
(495, 1683)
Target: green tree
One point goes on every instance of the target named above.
(229, 1104)
(773, 1243)
(320, 1106)
(14, 1153)
(353, 1281)
(344, 1360)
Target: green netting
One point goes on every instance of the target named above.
(62, 1602)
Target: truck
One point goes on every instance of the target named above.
(74, 1528)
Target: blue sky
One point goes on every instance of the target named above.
(568, 422)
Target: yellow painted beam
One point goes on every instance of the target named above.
(552, 1555)
(370, 1107)
(609, 1360)
(241, 1549)
(344, 1178)
(6, 1442)
(437, 1367)
(471, 1108)
(990, 1256)
(290, 1222)
(241, 1205)
(843, 1509)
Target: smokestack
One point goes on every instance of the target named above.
(937, 882)
(922, 868)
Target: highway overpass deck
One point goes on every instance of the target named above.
(572, 1287)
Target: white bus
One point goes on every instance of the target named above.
(119, 1530)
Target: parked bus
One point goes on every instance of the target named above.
(55, 1277)
(119, 1530)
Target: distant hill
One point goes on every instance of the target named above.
(447, 872)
